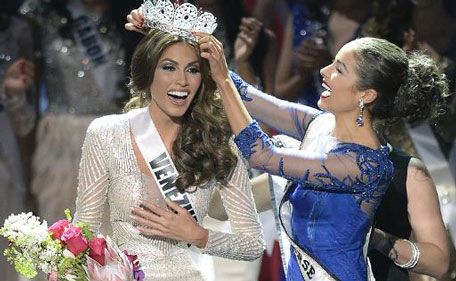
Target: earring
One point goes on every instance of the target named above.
(359, 119)
(143, 95)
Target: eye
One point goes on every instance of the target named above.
(193, 70)
(339, 70)
(168, 67)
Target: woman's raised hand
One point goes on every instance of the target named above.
(247, 38)
(212, 50)
(176, 223)
(19, 76)
(136, 21)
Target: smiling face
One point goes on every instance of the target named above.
(339, 80)
(176, 81)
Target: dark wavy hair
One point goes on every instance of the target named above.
(202, 150)
(408, 86)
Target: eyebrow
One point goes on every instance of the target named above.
(343, 64)
(175, 62)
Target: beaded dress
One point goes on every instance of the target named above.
(75, 93)
(336, 186)
(109, 171)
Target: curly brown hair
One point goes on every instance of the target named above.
(202, 149)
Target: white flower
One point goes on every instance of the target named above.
(70, 277)
(24, 227)
(68, 254)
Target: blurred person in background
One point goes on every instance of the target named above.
(314, 33)
(83, 53)
(17, 117)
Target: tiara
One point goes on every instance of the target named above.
(179, 20)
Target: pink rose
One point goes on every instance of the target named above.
(58, 228)
(75, 241)
(97, 250)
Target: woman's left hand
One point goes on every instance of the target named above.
(212, 50)
(176, 223)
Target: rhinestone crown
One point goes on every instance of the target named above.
(177, 19)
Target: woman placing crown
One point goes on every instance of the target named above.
(340, 174)
(159, 163)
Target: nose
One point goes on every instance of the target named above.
(323, 70)
(182, 79)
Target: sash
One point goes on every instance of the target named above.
(95, 52)
(86, 34)
(159, 163)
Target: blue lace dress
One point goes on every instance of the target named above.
(335, 187)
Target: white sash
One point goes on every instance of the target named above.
(159, 163)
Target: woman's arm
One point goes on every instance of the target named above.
(261, 195)
(93, 179)
(246, 242)
(289, 118)
(288, 84)
(348, 168)
(18, 78)
(427, 225)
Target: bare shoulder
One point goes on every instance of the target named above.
(418, 177)
(417, 169)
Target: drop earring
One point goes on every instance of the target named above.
(359, 119)
(143, 95)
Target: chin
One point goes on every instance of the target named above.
(176, 114)
(322, 105)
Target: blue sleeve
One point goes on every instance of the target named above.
(348, 168)
(289, 118)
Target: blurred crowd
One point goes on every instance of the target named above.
(65, 62)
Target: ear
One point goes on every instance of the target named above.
(369, 96)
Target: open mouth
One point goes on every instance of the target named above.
(178, 95)
(326, 93)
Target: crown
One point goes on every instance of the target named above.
(179, 20)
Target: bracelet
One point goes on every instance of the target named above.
(413, 260)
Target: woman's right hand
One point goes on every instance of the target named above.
(136, 21)
(246, 39)
(19, 76)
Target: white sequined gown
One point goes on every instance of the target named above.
(109, 170)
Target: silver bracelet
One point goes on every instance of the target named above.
(414, 259)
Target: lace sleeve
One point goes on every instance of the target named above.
(246, 242)
(93, 180)
(289, 118)
(347, 168)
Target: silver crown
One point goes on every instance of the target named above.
(176, 19)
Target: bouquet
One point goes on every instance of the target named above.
(65, 251)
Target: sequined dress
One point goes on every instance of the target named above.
(336, 188)
(109, 171)
(73, 93)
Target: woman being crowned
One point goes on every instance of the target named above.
(159, 164)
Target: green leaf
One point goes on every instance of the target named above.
(68, 215)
